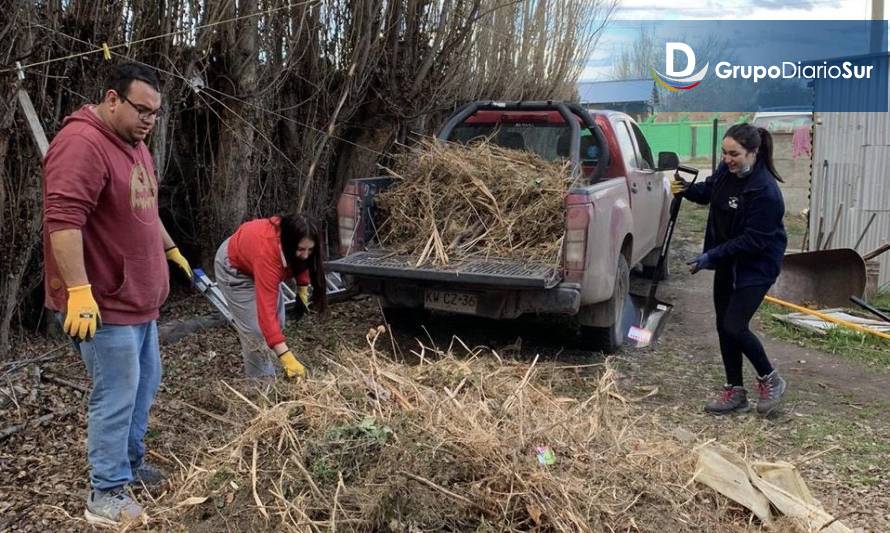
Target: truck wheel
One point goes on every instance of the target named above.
(609, 339)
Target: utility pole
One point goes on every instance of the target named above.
(877, 13)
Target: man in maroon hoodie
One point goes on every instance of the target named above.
(106, 275)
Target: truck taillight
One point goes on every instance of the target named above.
(579, 212)
(348, 218)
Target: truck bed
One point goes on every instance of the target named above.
(483, 271)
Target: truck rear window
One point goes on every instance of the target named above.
(549, 141)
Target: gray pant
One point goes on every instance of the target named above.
(240, 293)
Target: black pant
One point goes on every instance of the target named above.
(735, 307)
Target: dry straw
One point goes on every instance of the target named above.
(453, 201)
(448, 444)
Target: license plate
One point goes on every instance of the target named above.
(456, 302)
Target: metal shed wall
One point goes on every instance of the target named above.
(851, 179)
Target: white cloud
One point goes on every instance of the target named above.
(739, 10)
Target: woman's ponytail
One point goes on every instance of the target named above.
(766, 151)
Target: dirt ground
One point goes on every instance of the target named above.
(835, 425)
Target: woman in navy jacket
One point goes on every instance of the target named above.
(744, 243)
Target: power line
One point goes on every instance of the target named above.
(222, 94)
(105, 48)
(230, 96)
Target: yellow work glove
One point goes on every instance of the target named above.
(292, 367)
(678, 186)
(303, 292)
(177, 258)
(82, 318)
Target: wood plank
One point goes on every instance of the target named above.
(34, 125)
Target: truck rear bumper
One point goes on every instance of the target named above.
(486, 272)
(564, 299)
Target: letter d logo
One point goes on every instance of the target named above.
(669, 52)
(679, 80)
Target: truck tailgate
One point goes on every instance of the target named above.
(490, 272)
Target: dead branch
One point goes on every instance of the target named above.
(12, 430)
(447, 492)
(52, 378)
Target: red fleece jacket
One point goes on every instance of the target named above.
(96, 182)
(255, 249)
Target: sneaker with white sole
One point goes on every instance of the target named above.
(111, 507)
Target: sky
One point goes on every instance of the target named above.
(620, 33)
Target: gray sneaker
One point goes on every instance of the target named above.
(733, 399)
(148, 475)
(770, 390)
(111, 507)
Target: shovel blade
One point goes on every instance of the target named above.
(825, 277)
(652, 317)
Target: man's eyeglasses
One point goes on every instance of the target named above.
(144, 114)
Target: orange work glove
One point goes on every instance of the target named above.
(82, 318)
(174, 256)
(292, 367)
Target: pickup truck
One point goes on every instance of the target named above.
(616, 214)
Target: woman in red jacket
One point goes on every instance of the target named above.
(250, 266)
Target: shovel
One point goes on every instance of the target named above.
(824, 277)
(653, 313)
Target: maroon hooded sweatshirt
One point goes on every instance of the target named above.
(98, 183)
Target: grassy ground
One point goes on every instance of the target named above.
(882, 299)
(795, 227)
(838, 444)
(846, 343)
(839, 341)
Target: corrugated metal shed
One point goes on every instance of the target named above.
(851, 177)
(606, 92)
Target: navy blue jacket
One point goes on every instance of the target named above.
(757, 238)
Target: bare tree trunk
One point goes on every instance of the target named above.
(359, 157)
(8, 284)
(20, 204)
(233, 170)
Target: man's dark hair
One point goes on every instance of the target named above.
(121, 76)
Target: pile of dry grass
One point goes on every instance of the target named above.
(455, 201)
(446, 444)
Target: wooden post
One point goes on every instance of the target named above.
(27, 108)
(877, 13)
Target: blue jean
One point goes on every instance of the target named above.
(124, 363)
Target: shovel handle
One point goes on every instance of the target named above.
(669, 233)
(870, 308)
(876, 252)
(827, 318)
